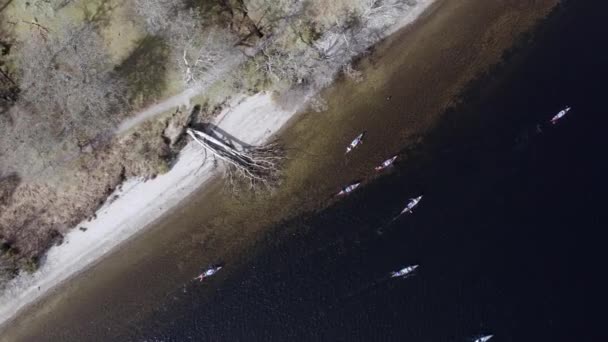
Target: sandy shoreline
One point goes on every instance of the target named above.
(140, 203)
(251, 119)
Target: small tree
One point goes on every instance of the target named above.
(202, 54)
(156, 15)
(67, 81)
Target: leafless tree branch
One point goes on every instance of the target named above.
(256, 167)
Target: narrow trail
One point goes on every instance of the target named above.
(181, 99)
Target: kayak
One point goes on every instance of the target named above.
(410, 205)
(348, 189)
(386, 163)
(560, 115)
(404, 271)
(358, 140)
(208, 273)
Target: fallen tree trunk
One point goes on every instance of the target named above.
(256, 167)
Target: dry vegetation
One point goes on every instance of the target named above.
(72, 70)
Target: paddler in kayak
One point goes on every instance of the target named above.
(348, 189)
(208, 273)
(358, 141)
(386, 163)
(560, 115)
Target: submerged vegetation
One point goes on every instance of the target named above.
(71, 71)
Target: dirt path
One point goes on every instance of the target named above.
(181, 99)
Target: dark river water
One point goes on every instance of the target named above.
(509, 236)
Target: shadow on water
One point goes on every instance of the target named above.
(507, 236)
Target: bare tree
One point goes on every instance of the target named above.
(69, 97)
(348, 28)
(257, 167)
(281, 64)
(202, 53)
(68, 80)
(156, 15)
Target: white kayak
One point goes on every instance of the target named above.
(358, 140)
(560, 115)
(404, 271)
(386, 163)
(410, 205)
(484, 338)
(208, 273)
(348, 189)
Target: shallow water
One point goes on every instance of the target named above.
(509, 234)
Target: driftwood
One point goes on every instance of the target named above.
(255, 167)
